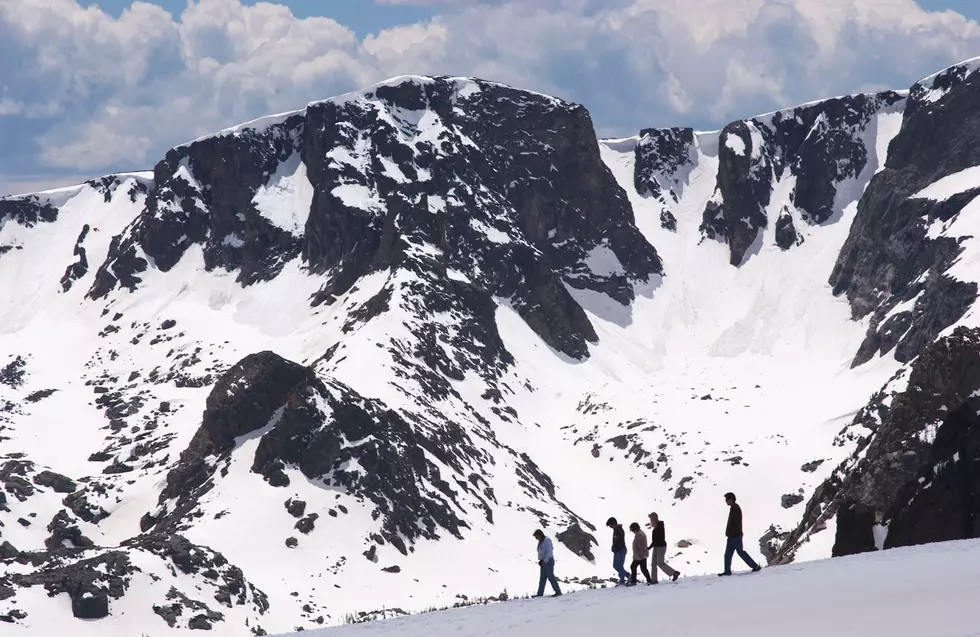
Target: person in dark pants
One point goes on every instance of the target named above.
(734, 534)
(619, 549)
(640, 554)
(546, 560)
(658, 549)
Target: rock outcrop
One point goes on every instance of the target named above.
(883, 478)
(96, 579)
(894, 265)
(381, 189)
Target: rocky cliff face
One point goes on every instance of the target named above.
(899, 267)
(895, 438)
(323, 428)
(942, 503)
(519, 209)
(895, 264)
(819, 148)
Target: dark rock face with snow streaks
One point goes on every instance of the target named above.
(897, 444)
(821, 145)
(538, 201)
(890, 257)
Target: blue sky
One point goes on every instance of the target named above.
(86, 90)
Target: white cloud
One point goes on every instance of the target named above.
(88, 92)
(10, 107)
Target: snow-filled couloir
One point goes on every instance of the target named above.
(345, 360)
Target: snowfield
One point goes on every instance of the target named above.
(907, 592)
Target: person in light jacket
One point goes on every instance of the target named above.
(640, 554)
(658, 548)
(546, 560)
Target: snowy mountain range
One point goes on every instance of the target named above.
(341, 362)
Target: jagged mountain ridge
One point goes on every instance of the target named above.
(477, 251)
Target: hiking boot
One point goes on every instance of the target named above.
(674, 577)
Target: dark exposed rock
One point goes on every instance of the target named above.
(821, 144)
(296, 508)
(243, 400)
(39, 395)
(736, 213)
(55, 481)
(824, 147)
(292, 542)
(78, 504)
(889, 248)
(307, 524)
(121, 268)
(90, 605)
(12, 374)
(578, 541)
(372, 553)
(19, 487)
(668, 221)
(203, 194)
(770, 542)
(202, 616)
(27, 211)
(660, 153)
(682, 490)
(855, 530)
(8, 551)
(13, 616)
(786, 234)
(942, 503)
(88, 582)
(813, 465)
(199, 622)
(392, 569)
(79, 268)
(65, 533)
(391, 455)
(117, 467)
(789, 500)
(893, 446)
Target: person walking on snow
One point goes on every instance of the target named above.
(618, 549)
(640, 554)
(658, 549)
(734, 534)
(546, 560)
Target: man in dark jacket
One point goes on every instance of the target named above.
(619, 550)
(733, 531)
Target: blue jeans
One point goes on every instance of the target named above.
(735, 546)
(619, 562)
(548, 575)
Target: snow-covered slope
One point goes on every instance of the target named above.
(346, 359)
(858, 595)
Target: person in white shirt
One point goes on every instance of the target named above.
(546, 560)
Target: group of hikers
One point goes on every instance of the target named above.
(655, 551)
